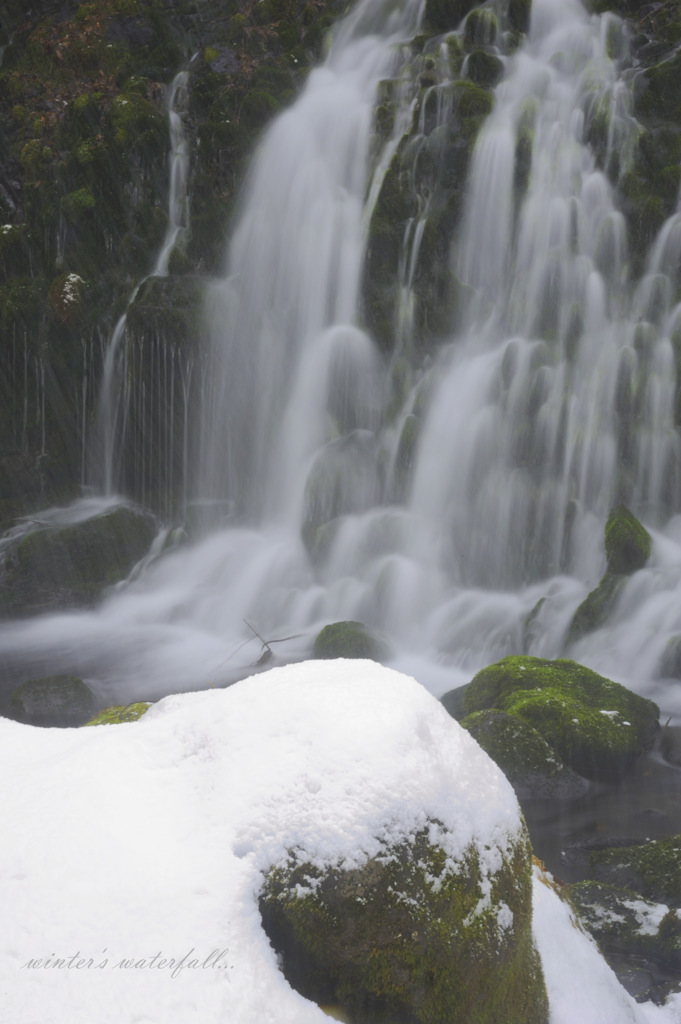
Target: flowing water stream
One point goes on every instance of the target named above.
(525, 429)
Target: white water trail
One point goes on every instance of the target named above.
(552, 402)
(110, 415)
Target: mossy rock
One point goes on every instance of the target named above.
(61, 701)
(627, 549)
(596, 726)
(531, 766)
(627, 542)
(119, 713)
(454, 701)
(411, 936)
(481, 28)
(71, 566)
(349, 640)
(484, 68)
(652, 869)
(596, 607)
(622, 921)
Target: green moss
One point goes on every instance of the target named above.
(348, 640)
(78, 204)
(595, 609)
(627, 549)
(652, 869)
(410, 936)
(531, 765)
(481, 28)
(484, 68)
(72, 565)
(627, 542)
(595, 725)
(622, 922)
(118, 713)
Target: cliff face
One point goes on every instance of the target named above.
(84, 187)
(84, 181)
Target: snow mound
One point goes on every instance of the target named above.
(133, 854)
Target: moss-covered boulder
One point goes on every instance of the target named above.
(596, 726)
(411, 936)
(594, 610)
(622, 921)
(349, 640)
(652, 869)
(627, 549)
(627, 542)
(71, 565)
(531, 766)
(62, 701)
(116, 714)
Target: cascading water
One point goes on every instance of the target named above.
(112, 418)
(523, 434)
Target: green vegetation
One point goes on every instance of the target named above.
(117, 714)
(410, 936)
(652, 869)
(349, 640)
(72, 565)
(529, 763)
(596, 726)
(627, 549)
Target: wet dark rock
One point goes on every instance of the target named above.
(71, 566)
(652, 869)
(531, 766)
(403, 937)
(627, 549)
(54, 701)
(622, 921)
(349, 640)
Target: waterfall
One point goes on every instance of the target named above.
(112, 411)
(453, 499)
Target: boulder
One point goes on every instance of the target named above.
(69, 566)
(622, 921)
(531, 766)
(596, 726)
(627, 549)
(411, 935)
(349, 640)
(652, 869)
(627, 542)
(61, 701)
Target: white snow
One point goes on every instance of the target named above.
(581, 986)
(132, 855)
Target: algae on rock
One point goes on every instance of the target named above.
(595, 725)
(349, 640)
(627, 548)
(410, 935)
(652, 869)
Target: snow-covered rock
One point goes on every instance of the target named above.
(133, 855)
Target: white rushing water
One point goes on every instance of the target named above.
(533, 418)
(112, 410)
